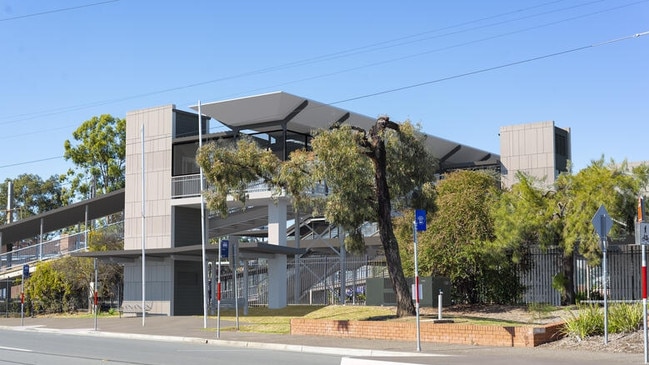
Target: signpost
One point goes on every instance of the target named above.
(224, 246)
(419, 225)
(642, 239)
(22, 293)
(603, 224)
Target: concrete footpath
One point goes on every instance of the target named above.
(355, 351)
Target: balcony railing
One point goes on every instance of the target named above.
(188, 186)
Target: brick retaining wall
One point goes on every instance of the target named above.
(468, 334)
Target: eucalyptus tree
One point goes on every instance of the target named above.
(32, 195)
(99, 152)
(366, 172)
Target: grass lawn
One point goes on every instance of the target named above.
(264, 320)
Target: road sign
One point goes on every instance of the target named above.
(225, 246)
(25, 271)
(602, 222)
(420, 220)
(642, 233)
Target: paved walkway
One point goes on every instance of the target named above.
(191, 328)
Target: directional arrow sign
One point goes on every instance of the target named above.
(602, 222)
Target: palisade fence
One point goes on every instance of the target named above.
(624, 279)
(310, 281)
(318, 280)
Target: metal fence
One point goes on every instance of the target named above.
(329, 280)
(623, 266)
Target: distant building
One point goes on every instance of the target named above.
(541, 150)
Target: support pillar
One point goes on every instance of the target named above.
(277, 272)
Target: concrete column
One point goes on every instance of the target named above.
(277, 273)
(277, 282)
(277, 223)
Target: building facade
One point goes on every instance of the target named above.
(541, 150)
(161, 171)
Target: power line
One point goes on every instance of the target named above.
(336, 55)
(475, 72)
(30, 162)
(56, 11)
(457, 45)
(528, 60)
(412, 86)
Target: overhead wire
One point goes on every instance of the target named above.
(60, 10)
(452, 77)
(318, 59)
(375, 44)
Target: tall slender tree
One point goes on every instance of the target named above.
(366, 171)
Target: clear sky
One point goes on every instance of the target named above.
(460, 68)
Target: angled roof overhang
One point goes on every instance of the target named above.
(262, 113)
(453, 155)
(63, 217)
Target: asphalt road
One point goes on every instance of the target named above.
(55, 349)
(182, 340)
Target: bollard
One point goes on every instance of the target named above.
(439, 305)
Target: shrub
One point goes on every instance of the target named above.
(625, 317)
(588, 322)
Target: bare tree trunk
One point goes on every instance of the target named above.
(405, 307)
(568, 268)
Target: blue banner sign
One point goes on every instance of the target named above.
(420, 220)
(225, 247)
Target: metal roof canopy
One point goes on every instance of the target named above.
(63, 217)
(263, 113)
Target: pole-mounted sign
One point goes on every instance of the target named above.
(420, 220)
(419, 226)
(603, 224)
(225, 248)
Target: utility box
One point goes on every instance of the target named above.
(379, 291)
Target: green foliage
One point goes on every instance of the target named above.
(533, 213)
(109, 238)
(99, 154)
(559, 282)
(364, 171)
(32, 195)
(48, 290)
(63, 285)
(589, 321)
(624, 318)
(230, 168)
(459, 243)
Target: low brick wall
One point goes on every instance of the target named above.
(468, 334)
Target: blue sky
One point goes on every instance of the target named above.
(64, 62)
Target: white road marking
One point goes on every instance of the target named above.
(14, 349)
